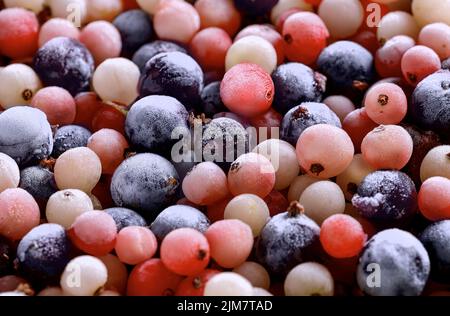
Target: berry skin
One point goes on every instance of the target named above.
(252, 48)
(251, 173)
(386, 196)
(205, 184)
(146, 183)
(66, 63)
(38, 181)
(269, 34)
(102, 39)
(305, 115)
(173, 74)
(43, 253)
(305, 36)
(230, 242)
(309, 279)
(151, 121)
(69, 137)
(419, 62)
(178, 216)
(209, 47)
(347, 65)
(387, 147)
(195, 285)
(22, 84)
(247, 90)
(135, 28)
(135, 244)
(342, 236)
(9, 173)
(125, 217)
(185, 251)
(57, 27)
(148, 51)
(57, 104)
(219, 13)
(286, 240)
(434, 198)
(435, 240)
(19, 213)
(255, 8)
(430, 107)
(93, 275)
(324, 151)
(152, 278)
(109, 116)
(402, 260)
(219, 132)
(424, 141)
(386, 103)
(296, 83)
(110, 146)
(26, 135)
(18, 42)
(358, 124)
(211, 101)
(94, 232)
(388, 58)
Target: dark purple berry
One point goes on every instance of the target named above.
(66, 63)
(386, 197)
(178, 216)
(436, 239)
(303, 116)
(173, 74)
(148, 51)
(430, 105)
(393, 263)
(287, 239)
(296, 83)
(135, 28)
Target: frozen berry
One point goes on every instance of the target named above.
(401, 261)
(435, 239)
(146, 183)
(386, 196)
(305, 115)
(178, 216)
(287, 240)
(296, 83)
(430, 106)
(66, 63)
(174, 74)
(43, 253)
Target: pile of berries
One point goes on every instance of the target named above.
(225, 147)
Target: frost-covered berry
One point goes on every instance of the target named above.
(393, 263)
